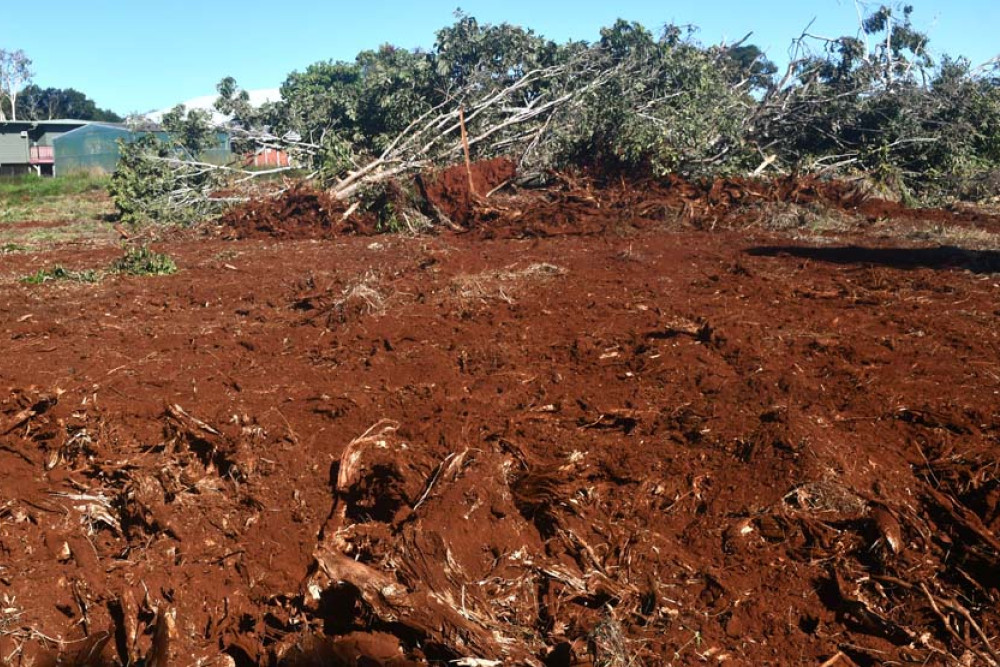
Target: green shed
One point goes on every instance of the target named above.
(95, 148)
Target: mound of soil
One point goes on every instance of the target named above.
(578, 206)
(303, 212)
(584, 205)
(455, 192)
(298, 213)
(581, 206)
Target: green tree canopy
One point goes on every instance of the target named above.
(35, 103)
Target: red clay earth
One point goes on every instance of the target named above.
(600, 435)
(571, 206)
(302, 212)
(315, 215)
(456, 192)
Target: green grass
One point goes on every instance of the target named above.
(63, 198)
(30, 187)
(24, 239)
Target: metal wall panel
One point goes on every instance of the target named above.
(13, 148)
(95, 148)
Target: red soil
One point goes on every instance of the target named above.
(456, 191)
(298, 213)
(578, 206)
(612, 430)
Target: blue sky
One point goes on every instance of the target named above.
(139, 56)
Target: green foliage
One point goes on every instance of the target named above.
(35, 103)
(235, 103)
(397, 87)
(136, 261)
(390, 204)
(321, 99)
(468, 52)
(190, 131)
(59, 273)
(365, 103)
(747, 62)
(160, 180)
(141, 261)
(877, 105)
(142, 181)
(335, 158)
(355, 110)
(669, 105)
(872, 103)
(151, 185)
(651, 104)
(379, 200)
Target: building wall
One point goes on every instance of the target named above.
(13, 148)
(95, 148)
(268, 157)
(48, 136)
(90, 148)
(14, 154)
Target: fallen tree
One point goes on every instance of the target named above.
(629, 99)
(871, 105)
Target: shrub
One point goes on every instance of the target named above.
(137, 261)
(141, 261)
(153, 184)
(61, 273)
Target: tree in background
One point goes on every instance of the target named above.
(747, 61)
(15, 71)
(35, 103)
(190, 130)
(20, 99)
(468, 52)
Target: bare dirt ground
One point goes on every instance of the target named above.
(641, 424)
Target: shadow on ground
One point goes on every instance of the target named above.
(940, 257)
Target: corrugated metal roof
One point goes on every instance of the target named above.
(64, 121)
(37, 123)
(88, 126)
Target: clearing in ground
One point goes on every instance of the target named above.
(654, 423)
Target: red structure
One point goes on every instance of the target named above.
(41, 155)
(269, 157)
